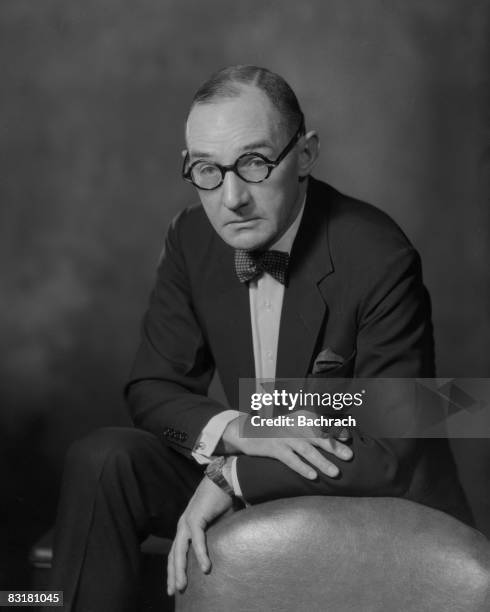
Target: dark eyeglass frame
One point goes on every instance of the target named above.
(187, 173)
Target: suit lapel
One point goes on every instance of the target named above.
(228, 319)
(304, 309)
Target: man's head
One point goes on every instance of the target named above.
(240, 110)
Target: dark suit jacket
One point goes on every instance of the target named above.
(355, 286)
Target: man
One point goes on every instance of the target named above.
(273, 274)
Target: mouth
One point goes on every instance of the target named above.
(242, 221)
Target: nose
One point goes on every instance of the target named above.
(234, 191)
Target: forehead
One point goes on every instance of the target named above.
(233, 122)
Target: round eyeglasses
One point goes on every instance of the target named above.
(250, 167)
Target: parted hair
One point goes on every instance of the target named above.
(227, 82)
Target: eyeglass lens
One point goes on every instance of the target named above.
(251, 168)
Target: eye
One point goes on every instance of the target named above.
(253, 162)
(205, 169)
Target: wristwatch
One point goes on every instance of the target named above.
(214, 472)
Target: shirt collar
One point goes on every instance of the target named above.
(285, 242)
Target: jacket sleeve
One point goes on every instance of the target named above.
(173, 368)
(394, 339)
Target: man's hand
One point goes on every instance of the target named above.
(207, 503)
(291, 450)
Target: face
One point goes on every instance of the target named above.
(246, 215)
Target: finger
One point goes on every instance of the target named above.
(333, 446)
(344, 435)
(312, 455)
(289, 458)
(170, 572)
(180, 558)
(200, 549)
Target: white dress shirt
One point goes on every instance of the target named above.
(266, 296)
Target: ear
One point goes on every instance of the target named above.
(183, 153)
(308, 154)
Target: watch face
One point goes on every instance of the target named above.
(215, 466)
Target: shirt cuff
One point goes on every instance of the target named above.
(211, 434)
(237, 490)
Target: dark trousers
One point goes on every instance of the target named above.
(119, 485)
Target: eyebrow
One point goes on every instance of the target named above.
(251, 148)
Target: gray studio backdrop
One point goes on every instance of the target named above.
(93, 100)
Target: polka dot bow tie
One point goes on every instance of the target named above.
(251, 264)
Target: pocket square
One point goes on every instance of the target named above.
(327, 360)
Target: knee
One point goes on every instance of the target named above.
(103, 447)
